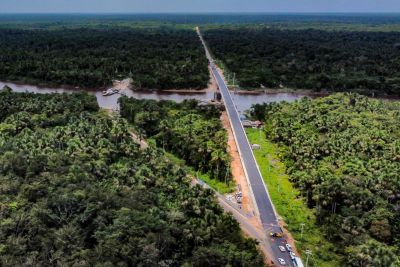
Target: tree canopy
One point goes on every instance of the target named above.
(343, 153)
(156, 58)
(191, 130)
(75, 190)
(309, 59)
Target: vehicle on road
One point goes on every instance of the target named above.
(289, 247)
(292, 255)
(282, 248)
(275, 234)
(262, 201)
(282, 261)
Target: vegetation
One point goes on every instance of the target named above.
(160, 58)
(309, 59)
(75, 190)
(348, 22)
(343, 153)
(189, 130)
(219, 186)
(290, 206)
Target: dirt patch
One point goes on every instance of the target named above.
(122, 84)
(236, 165)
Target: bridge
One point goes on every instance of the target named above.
(259, 193)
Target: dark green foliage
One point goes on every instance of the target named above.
(331, 21)
(190, 130)
(343, 152)
(158, 58)
(310, 59)
(44, 105)
(372, 253)
(75, 190)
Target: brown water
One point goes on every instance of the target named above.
(243, 101)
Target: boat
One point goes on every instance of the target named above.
(109, 92)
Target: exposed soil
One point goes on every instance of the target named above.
(236, 165)
(240, 178)
(123, 84)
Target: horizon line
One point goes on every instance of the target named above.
(210, 13)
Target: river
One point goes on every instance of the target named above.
(243, 101)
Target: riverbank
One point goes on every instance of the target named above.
(243, 101)
(312, 93)
(123, 84)
(259, 91)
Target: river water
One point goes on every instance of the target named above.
(243, 101)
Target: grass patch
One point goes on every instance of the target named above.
(290, 206)
(219, 186)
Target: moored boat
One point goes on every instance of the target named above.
(111, 91)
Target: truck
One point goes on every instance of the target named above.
(276, 234)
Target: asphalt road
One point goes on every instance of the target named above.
(243, 219)
(263, 203)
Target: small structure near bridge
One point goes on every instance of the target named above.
(255, 147)
(251, 124)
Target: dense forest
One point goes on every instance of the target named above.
(310, 59)
(366, 21)
(75, 190)
(157, 58)
(189, 129)
(343, 153)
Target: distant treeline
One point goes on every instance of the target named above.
(160, 58)
(51, 19)
(310, 59)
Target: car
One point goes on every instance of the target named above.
(288, 247)
(275, 234)
(282, 261)
(292, 255)
(282, 248)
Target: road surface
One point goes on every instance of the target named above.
(261, 198)
(242, 218)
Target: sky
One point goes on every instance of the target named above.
(196, 6)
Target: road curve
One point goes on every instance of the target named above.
(261, 198)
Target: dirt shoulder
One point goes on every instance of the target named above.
(236, 165)
(251, 226)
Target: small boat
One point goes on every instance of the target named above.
(111, 91)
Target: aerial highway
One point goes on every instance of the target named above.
(262, 201)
